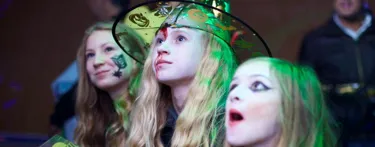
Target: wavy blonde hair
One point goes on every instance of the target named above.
(201, 123)
(305, 117)
(100, 123)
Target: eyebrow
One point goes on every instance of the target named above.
(89, 49)
(104, 44)
(251, 76)
(259, 75)
(179, 29)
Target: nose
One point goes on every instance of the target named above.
(234, 99)
(235, 95)
(163, 49)
(99, 60)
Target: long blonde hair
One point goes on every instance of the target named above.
(305, 117)
(99, 122)
(202, 120)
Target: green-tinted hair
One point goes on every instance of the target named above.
(305, 117)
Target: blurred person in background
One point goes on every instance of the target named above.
(342, 52)
(105, 10)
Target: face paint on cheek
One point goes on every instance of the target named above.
(120, 62)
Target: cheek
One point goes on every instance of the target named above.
(89, 67)
(192, 56)
(263, 110)
(154, 56)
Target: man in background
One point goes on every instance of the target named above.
(106, 10)
(342, 52)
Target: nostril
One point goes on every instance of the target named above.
(161, 52)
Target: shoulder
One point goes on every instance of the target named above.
(328, 29)
(320, 31)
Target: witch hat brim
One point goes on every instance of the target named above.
(149, 17)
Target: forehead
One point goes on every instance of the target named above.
(191, 18)
(101, 34)
(254, 68)
(190, 31)
(99, 37)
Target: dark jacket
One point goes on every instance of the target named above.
(338, 59)
(168, 130)
(334, 55)
(65, 108)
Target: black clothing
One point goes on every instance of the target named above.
(167, 132)
(338, 60)
(65, 108)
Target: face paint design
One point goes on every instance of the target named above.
(119, 60)
(165, 32)
(252, 106)
(107, 64)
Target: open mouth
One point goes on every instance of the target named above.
(235, 116)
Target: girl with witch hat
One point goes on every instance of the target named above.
(192, 58)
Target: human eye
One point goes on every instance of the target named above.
(232, 86)
(89, 55)
(109, 48)
(180, 38)
(159, 40)
(258, 86)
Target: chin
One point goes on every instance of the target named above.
(346, 14)
(350, 14)
(236, 141)
(165, 78)
(103, 85)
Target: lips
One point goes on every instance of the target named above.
(161, 61)
(102, 72)
(235, 117)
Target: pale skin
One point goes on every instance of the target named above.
(252, 111)
(348, 8)
(102, 58)
(176, 55)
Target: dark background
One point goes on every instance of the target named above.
(39, 40)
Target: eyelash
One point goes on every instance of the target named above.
(232, 87)
(256, 83)
(159, 40)
(253, 86)
(89, 55)
(106, 49)
(178, 39)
